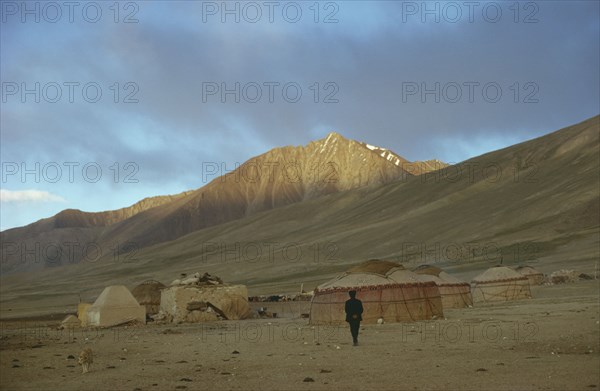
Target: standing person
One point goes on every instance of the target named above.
(354, 310)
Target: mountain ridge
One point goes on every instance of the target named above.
(541, 210)
(278, 177)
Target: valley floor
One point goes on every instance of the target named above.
(550, 342)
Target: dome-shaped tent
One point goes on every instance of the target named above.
(535, 276)
(500, 283)
(455, 293)
(148, 294)
(386, 289)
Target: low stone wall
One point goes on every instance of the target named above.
(231, 300)
(286, 309)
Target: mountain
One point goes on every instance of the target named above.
(415, 168)
(279, 177)
(536, 202)
(73, 218)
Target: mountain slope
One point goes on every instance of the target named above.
(541, 208)
(537, 202)
(415, 168)
(277, 178)
(73, 218)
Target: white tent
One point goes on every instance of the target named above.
(115, 305)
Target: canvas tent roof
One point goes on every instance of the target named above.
(498, 273)
(115, 296)
(535, 276)
(372, 273)
(428, 269)
(115, 305)
(526, 269)
(387, 290)
(406, 276)
(440, 277)
(500, 283)
(354, 280)
(455, 293)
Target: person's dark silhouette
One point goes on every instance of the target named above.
(354, 310)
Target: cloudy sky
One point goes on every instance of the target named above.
(103, 105)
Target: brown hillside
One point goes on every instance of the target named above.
(277, 178)
(542, 209)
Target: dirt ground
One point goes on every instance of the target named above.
(550, 342)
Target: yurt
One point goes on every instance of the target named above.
(115, 305)
(454, 292)
(500, 283)
(148, 295)
(386, 289)
(535, 276)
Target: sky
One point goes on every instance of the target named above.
(106, 103)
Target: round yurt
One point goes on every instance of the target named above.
(454, 292)
(386, 289)
(535, 276)
(148, 295)
(500, 283)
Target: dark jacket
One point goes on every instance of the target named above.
(353, 307)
